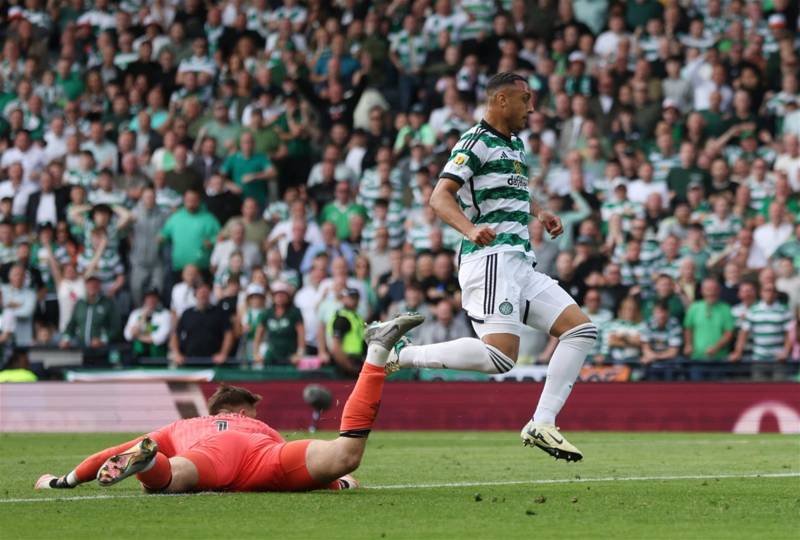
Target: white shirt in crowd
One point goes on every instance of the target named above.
(19, 193)
(768, 237)
(639, 191)
(182, 298)
(282, 232)
(306, 300)
(791, 165)
(32, 160)
(221, 255)
(46, 211)
(69, 292)
(162, 321)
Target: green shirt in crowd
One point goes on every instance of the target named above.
(192, 236)
(708, 324)
(340, 216)
(238, 165)
(222, 133)
(281, 334)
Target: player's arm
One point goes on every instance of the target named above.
(552, 223)
(458, 170)
(726, 338)
(444, 203)
(741, 341)
(86, 471)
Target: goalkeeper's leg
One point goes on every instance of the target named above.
(328, 463)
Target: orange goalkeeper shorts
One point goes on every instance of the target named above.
(234, 461)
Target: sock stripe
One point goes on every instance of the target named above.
(584, 333)
(586, 330)
(496, 365)
(501, 359)
(355, 433)
(503, 363)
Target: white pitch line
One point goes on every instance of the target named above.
(444, 485)
(585, 480)
(102, 497)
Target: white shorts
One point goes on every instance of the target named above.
(502, 292)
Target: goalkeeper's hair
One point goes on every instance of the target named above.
(501, 80)
(229, 397)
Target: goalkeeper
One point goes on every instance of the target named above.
(232, 451)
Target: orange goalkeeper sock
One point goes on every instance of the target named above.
(158, 475)
(363, 404)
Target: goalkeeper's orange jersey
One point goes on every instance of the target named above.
(178, 437)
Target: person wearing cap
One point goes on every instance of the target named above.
(95, 321)
(577, 81)
(248, 317)
(148, 327)
(281, 328)
(344, 334)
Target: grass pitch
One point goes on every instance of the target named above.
(442, 485)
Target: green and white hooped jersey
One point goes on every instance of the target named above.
(493, 174)
(768, 325)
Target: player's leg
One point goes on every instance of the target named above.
(86, 471)
(490, 295)
(155, 471)
(554, 311)
(313, 464)
(174, 475)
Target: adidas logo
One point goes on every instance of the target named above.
(503, 156)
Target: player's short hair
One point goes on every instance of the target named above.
(503, 79)
(229, 397)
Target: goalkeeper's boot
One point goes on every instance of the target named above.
(348, 481)
(548, 438)
(134, 460)
(393, 361)
(387, 334)
(49, 481)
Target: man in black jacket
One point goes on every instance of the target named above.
(49, 205)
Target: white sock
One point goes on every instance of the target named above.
(376, 355)
(72, 478)
(466, 354)
(564, 367)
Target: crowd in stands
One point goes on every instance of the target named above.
(248, 180)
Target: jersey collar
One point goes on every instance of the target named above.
(487, 126)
